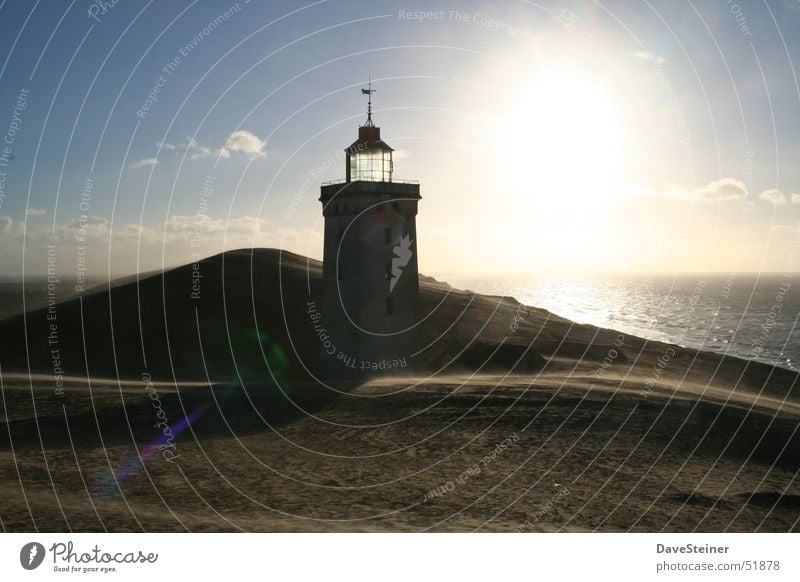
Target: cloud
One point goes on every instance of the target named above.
(193, 148)
(196, 152)
(144, 162)
(91, 222)
(245, 142)
(35, 212)
(241, 141)
(91, 229)
(10, 227)
(774, 196)
(650, 57)
(241, 229)
(778, 197)
(723, 189)
(783, 229)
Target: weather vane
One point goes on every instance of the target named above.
(369, 92)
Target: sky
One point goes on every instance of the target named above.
(548, 137)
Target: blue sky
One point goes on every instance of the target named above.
(694, 104)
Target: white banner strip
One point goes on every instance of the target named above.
(399, 557)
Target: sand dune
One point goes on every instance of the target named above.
(520, 421)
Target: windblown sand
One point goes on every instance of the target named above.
(454, 454)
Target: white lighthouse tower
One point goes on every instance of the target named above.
(370, 285)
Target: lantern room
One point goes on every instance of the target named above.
(369, 158)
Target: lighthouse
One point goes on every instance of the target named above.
(370, 287)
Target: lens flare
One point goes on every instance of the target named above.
(164, 444)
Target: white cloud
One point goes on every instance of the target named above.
(35, 212)
(718, 190)
(795, 198)
(10, 227)
(193, 148)
(197, 152)
(245, 142)
(774, 196)
(91, 221)
(650, 57)
(241, 141)
(144, 162)
(241, 229)
(783, 229)
(92, 229)
(723, 189)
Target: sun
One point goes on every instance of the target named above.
(563, 141)
(560, 150)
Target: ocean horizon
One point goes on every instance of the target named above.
(751, 316)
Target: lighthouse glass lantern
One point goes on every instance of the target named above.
(369, 159)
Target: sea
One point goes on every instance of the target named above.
(753, 316)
